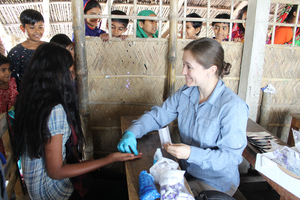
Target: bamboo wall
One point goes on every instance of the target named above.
(281, 69)
(127, 78)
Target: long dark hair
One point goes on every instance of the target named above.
(208, 52)
(91, 4)
(62, 40)
(46, 83)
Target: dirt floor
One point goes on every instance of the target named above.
(258, 190)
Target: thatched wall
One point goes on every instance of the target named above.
(128, 78)
(281, 69)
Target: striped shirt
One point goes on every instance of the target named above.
(39, 184)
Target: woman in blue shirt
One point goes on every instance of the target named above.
(212, 121)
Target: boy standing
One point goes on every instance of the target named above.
(32, 24)
(118, 26)
(221, 29)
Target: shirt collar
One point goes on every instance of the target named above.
(193, 93)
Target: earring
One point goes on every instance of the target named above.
(208, 76)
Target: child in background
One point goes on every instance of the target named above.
(8, 91)
(92, 25)
(32, 24)
(64, 41)
(8, 86)
(221, 29)
(118, 26)
(284, 34)
(47, 135)
(146, 28)
(238, 32)
(193, 29)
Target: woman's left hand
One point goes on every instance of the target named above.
(180, 151)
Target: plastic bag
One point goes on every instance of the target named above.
(161, 166)
(296, 135)
(269, 89)
(172, 186)
(287, 158)
(147, 187)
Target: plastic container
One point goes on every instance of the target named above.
(157, 155)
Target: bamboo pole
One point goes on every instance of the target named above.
(82, 76)
(172, 55)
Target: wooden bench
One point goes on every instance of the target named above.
(11, 170)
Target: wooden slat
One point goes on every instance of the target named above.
(3, 123)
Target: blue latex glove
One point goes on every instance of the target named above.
(128, 140)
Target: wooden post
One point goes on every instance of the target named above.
(172, 55)
(253, 54)
(265, 110)
(82, 76)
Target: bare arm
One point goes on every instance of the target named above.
(58, 170)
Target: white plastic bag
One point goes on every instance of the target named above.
(172, 186)
(161, 166)
(296, 135)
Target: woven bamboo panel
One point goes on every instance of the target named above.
(281, 114)
(287, 92)
(281, 69)
(281, 63)
(106, 140)
(146, 90)
(126, 58)
(104, 115)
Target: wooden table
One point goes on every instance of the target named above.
(250, 155)
(147, 145)
(295, 124)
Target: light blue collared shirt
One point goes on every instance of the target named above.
(215, 130)
(39, 184)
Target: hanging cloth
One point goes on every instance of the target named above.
(140, 33)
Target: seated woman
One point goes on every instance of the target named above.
(48, 135)
(212, 121)
(284, 34)
(146, 28)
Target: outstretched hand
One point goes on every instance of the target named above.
(118, 156)
(180, 151)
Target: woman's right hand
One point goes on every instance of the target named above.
(118, 156)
